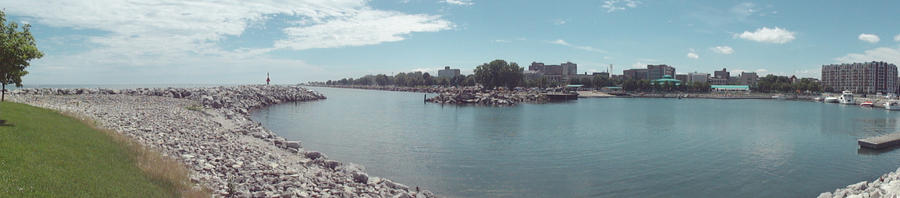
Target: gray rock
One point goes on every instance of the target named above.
(360, 177)
(293, 144)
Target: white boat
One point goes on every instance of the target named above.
(831, 100)
(892, 105)
(867, 104)
(817, 99)
(846, 98)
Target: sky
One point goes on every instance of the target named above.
(238, 42)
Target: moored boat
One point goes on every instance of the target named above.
(846, 98)
(866, 104)
(831, 100)
(892, 105)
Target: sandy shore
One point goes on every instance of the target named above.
(210, 131)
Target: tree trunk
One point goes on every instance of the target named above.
(3, 95)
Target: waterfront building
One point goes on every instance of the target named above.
(724, 74)
(868, 77)
(698, 77)
(655, 72)
(718, 81)
(681, 77)
(448, 73)
(601, 74)
(652, 72)
(555, 73)
(748, 78)
(635, 74)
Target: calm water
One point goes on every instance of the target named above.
(617, 147)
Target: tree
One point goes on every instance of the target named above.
(17, 48)
(499, 73)
(381, 79)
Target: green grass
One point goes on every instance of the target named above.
(46, 154)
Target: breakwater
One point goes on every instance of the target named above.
(210, 131)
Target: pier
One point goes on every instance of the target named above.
(880, 142)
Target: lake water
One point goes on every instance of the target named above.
(612, 147)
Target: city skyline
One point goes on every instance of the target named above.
(235, 42)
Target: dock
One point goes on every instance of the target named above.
(593, 94)
(880, 142)
(562, 96)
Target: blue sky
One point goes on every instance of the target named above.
(232, 41)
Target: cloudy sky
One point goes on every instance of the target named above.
(237, 41)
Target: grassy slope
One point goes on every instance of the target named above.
(46, 154)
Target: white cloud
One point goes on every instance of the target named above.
(560, 21)
(585, 48)
(743, 10)
(426, 70)
(616, 5)
(643, 62)
(767, 35)
(366, 27)
(693, 55)
(722, 50)
(459, 2)
(182, 34)
(890, 55)
(897, 38)
(761, 71)
(501, 41)
(870, 38)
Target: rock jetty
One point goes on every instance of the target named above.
(210, 131)
(888, 185)
(488, 97)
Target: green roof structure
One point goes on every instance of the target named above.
(667, 78)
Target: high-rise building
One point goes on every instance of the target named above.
(682, 77)
(555, 73)
(448, 73)
(868, 77)
(748, 78)
(635, 74)
(724, 74)
(569, 68)
(698, 77)
(655, 72)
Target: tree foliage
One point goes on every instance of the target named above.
(773, 83)
(17, 48)
(499, 73)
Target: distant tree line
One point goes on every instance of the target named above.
(411, 79)
(772, 83)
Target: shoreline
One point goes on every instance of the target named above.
(209, 130)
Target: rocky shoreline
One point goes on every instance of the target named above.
(489, 97)
(210, 131)
(888, 185)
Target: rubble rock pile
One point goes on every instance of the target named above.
(888, 185)
(488, 97)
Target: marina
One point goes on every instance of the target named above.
(613, 147)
